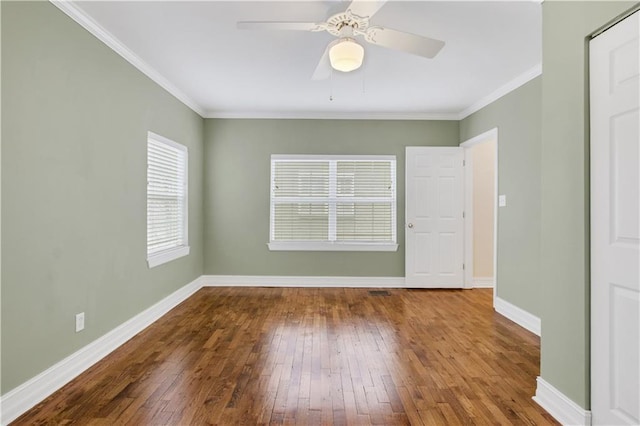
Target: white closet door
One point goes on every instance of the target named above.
(615, 224)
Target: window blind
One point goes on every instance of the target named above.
(166, 196)
(345, 199)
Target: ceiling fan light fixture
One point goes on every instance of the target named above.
(346, 55)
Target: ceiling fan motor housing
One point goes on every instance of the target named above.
(345, 21)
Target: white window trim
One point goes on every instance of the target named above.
(167, 256)
(334, 245)
(330, 246)
(162, 257)
(320, 157)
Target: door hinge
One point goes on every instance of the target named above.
(463, 215)
(464, 163)
(463, 266)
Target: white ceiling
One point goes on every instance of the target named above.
(194, 50)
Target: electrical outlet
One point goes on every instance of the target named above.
(502, 200)
(79, 322)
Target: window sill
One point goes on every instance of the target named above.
(326, 246)
(167, 256)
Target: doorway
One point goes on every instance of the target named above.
(481, 215)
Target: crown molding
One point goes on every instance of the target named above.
(324, 115)
(78, 15)
(510, 86)
(84, 20)
(520, 80)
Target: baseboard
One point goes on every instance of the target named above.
(17, 401)
(482, 282)
(559, 405)
(27, 395)
(306, 281)
(518, 315)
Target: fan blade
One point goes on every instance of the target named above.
(323, 70)
(406, 42)
(292, 26)
(365, 8)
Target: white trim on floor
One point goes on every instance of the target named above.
(293, 281)
(559, 405)
(482, 282)
(518, 315)
(17, 401)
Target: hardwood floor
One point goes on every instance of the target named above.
(313, 356)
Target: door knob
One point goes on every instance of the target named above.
(410, 225)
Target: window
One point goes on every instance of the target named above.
(167, 236)
(333, 202)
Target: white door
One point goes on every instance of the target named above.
(615, 224)
(434, 224)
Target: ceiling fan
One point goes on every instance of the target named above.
(345, 53)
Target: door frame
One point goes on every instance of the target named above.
(488, 136)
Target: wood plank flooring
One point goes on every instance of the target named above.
(308, 356)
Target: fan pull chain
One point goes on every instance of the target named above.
(331, 86)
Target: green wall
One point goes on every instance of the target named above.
(517, 117)
(565, 192)
(75, 117)
(237, 155)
